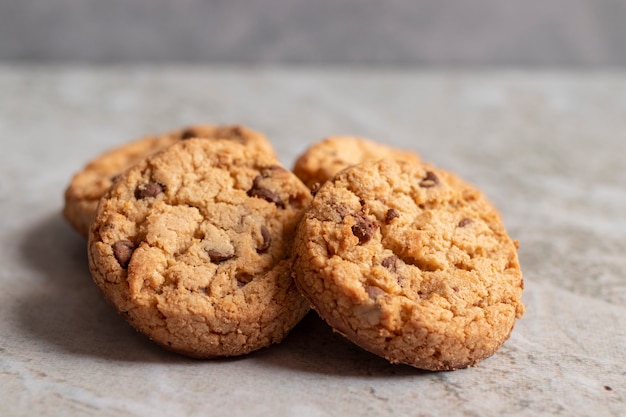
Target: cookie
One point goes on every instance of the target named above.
(193, 247)
(323, 159)
(411, 263)
(89, 185)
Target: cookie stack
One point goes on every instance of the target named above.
(205, 243)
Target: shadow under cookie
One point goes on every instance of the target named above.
(64, 308)
(313, 347)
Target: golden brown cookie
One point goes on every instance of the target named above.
(193, 247)
(90, 184)
(411, 263)
(323, 159)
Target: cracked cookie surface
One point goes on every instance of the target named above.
(89, 184)
(411, 263)
(323, 159)
(193, 247)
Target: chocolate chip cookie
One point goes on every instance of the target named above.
(411, 263)
(323, 159)
(90, 184)
(193, 247)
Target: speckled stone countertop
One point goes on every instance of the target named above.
(549, 149)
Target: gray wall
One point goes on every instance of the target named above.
(552, 33)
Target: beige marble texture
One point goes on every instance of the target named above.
(548, 148)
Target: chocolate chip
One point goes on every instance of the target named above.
(364, 228)
(430, 180)
(315, 188)
(340, 209)
(123, 250)
(266, 194)
(374, 292)
(151, 189)
(238, 131)
(216, 256)
(243, 278)
(234, 132)
(390, 215)
(269, 171)
(188, 134)
(607, 388)
(267, 240)
(391, 263)
(464, 222)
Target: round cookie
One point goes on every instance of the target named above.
(89, 185)
(193, 247)
(411, 263)
(323, 159)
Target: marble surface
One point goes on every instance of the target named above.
(547, 148)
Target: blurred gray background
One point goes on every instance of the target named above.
(548, 33)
